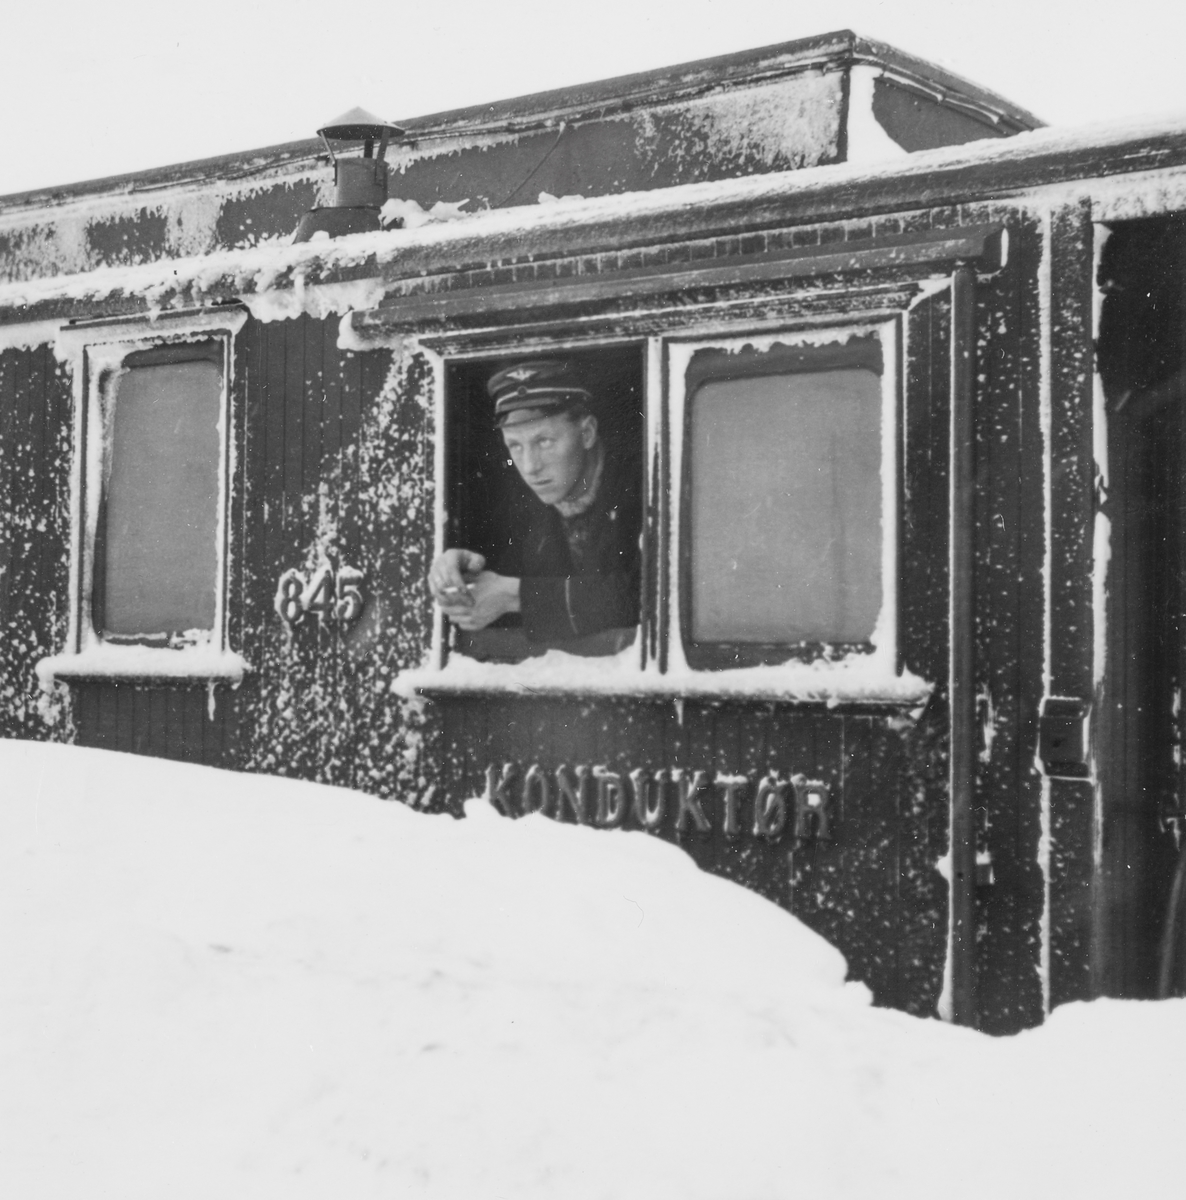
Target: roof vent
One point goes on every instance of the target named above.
(357, 145)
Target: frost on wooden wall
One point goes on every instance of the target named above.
(774, 125)
(34, 540)
(120, 230)
(323, 706)
(779, 126)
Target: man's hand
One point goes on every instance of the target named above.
(469, 595)
(449, 578)
(490, 596)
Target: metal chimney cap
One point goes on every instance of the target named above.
(358, 124)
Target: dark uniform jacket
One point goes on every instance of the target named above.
(578, 575)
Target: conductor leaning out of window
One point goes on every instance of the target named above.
(566, 558)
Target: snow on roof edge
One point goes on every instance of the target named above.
(283, 266)
(584, 100)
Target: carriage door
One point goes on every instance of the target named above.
(1141, 357)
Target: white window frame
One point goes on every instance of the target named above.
(856, 673)
(92, 352)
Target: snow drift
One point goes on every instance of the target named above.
(227, 985)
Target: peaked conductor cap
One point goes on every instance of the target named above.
(551, 384)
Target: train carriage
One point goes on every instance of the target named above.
(895, 373)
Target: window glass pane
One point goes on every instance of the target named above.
(786, 507)
(160, 534)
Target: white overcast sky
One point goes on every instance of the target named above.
(100, 87)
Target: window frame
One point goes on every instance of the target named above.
(690, 290)
(635, 652)
(94, 351)
(657, 662)
(716, 656)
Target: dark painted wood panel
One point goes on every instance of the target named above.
(318, 703)
(353, 400)
(1142, 357)
(34, 536)
(13, 402)
(245, 413)
(1125, 744)
(810, 870)
(165, 722)
(336, 463)
(329, 381)
(922, 583)
(814, 745)
(871, 868)
(594, 158)
(1072, 520)
(1010, 558)
(314, 412)
(1071, 450)
(271, 383)
(923, 843)
(924, 645)
(290, 383)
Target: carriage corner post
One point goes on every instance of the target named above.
(866, 585)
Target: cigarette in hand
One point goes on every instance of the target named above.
(456, 595)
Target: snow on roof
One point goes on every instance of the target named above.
(242, 986)
(306, 271)
(740, 68)
(594, 101)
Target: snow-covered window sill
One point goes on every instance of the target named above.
(855, 680)
(201, 664)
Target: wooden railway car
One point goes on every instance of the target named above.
(899, 378)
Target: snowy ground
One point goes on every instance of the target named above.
(227, 986)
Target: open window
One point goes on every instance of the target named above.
(787, 496)
(152, 498)
(491, 510)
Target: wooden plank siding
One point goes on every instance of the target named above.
(35, 447)
(1010, 560)
(334, 463)
(924, 642)
(1072, 489)
(304, 489)
(165, 722)
(1142, 361)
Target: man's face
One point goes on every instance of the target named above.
(551, 453)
